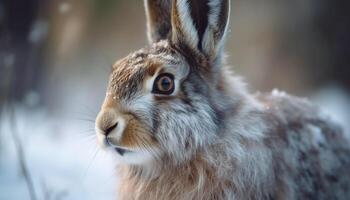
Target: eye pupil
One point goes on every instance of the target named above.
(165, 83)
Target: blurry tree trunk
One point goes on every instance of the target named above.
(333, 23)
(20, 48)
(342, 42)
(20, 154)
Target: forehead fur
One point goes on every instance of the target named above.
(128, 73)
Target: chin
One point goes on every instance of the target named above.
(137, 157)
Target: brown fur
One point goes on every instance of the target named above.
(131, 140)
(194, 180)
(152, 67)
(158, 18)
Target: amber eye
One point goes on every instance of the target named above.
(164, 84)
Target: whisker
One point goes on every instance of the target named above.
(85, 120)
(87, 131)
(88, 137)
(90, 163)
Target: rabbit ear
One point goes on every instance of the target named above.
(158, 19)
(200, 25)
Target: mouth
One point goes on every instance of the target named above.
(132, 156)
(121, 151)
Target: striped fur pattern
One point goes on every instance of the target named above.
(210, 138)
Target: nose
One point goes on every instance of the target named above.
(110, 129)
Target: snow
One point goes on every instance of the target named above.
(318, 137)
(277, 92)
(61, 161)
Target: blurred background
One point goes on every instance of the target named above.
(55, 57)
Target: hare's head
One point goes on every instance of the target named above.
(159, 102)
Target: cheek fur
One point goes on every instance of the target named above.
(182, 130)
(136, 136)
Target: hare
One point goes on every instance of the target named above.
(183, 127)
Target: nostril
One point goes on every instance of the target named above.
(110, 129)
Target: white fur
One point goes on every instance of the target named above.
(149, 37)
(187, 25)
(136, 157)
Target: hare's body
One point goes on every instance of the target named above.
(310, 153)
(295, 152)
(185, 128)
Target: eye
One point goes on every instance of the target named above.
(164, 84)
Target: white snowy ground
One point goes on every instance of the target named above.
(61, 156)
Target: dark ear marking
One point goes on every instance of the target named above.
(223, 19)
(158, 19)
(199, 13)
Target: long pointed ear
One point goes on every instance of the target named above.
(158, 19)
(200, 25)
